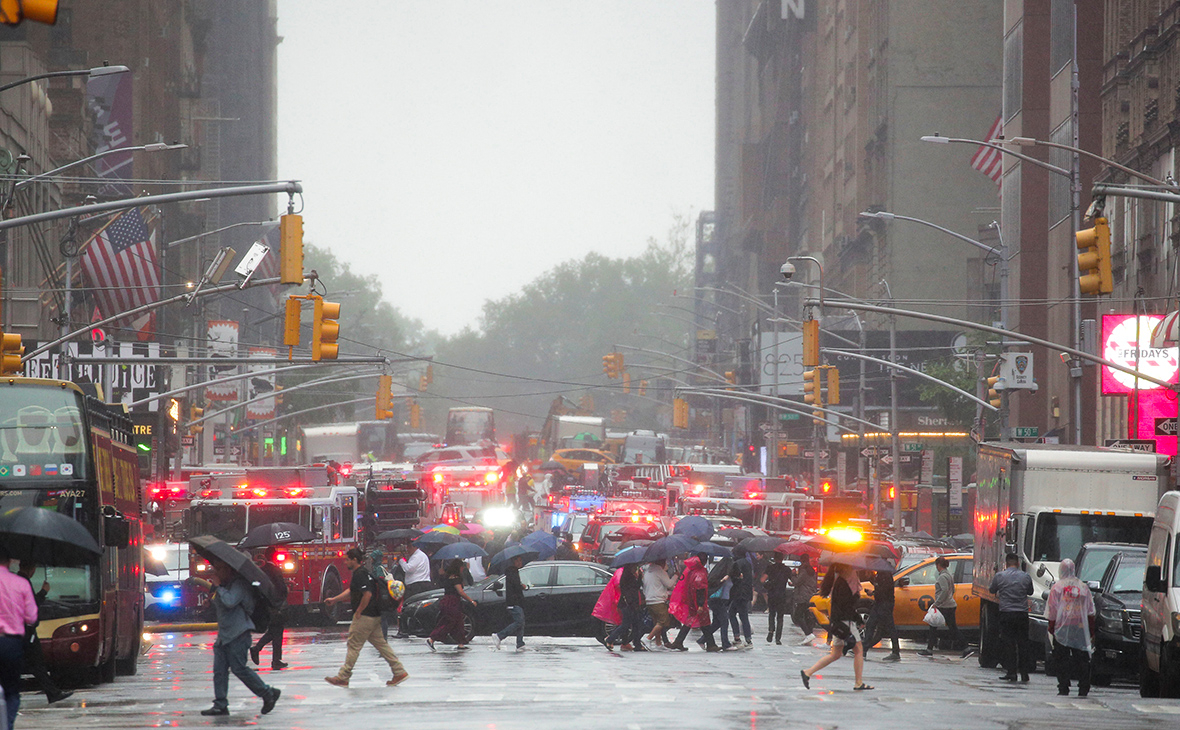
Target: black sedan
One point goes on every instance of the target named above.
(1117, 605)
(558, 598)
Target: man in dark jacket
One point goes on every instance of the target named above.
(514, 602)
(740, 596)
(34, 657)
(881, 615)
(278, 621)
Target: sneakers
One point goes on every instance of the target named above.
(214, 712)
(397, 679)
(337, 681)
(430, 643)
(495, 642)
(60, 696)
(254, 655)
(892, 658)
(279, 665)
(778, 642)
(738, 643)
(268, 704)
(925, 652)
(520, 647)
(806, 640)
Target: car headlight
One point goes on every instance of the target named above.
(1036, 606)
(1113, 617)
(425, 604)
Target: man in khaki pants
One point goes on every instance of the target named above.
(363, 591)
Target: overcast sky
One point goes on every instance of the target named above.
(458, 149)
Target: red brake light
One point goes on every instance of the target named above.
(345, 469)
(280, 557)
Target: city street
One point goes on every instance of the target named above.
(574, 683)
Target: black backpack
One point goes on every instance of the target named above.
(261, 614)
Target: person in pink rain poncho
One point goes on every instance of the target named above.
(689, 602)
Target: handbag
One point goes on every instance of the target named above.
(934, 618)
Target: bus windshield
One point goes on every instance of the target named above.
(1059, 536)
(41, 433)
(223, 521)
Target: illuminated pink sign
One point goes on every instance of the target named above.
(1126, 340)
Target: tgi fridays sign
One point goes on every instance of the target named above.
(129, 381)
(1126, 340)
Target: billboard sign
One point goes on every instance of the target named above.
(1126, 339)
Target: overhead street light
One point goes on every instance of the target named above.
(90, 73)
(153, 147)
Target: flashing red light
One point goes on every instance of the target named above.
(437, 478)
(210, 494)
(345, 469)
(492, 477)
(753, 495)
(259, 492)
(892, 492)
(280, 557)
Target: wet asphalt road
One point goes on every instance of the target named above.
(575, 684)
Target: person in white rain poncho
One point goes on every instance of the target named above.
(1071, 621)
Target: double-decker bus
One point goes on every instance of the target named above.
(228, 506)
(63, 449)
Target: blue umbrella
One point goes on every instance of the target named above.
(711, 548)
(694, 526)
(505, 556)
(544, 543)
(629, 556)
(667, 547)
(461, 550)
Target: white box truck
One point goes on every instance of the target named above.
(1044, 502)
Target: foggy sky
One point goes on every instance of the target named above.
(460, 149)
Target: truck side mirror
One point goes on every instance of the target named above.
(1153, 579)
(1010, 534)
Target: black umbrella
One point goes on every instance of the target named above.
(761, 544)
(211, 549)
(505, 556)
(402, 533)
(435, 537)
(694, 526)
(633, 543)
(711, 548)
(667, 547)
(276, 533)
(630, 556)
(46, 537)
(153, 565)
(460, 550)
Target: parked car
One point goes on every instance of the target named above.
(1118, 618)
(558, 598)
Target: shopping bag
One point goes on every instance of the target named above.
(934, 618)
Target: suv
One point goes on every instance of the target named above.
(1118, 617)
(603, 536)
(1095, 556)
(461, 455)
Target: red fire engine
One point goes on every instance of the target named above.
(230, 505)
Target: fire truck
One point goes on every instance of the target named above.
(467, 488)
(391, 502)
(228, 506)
(776, 513)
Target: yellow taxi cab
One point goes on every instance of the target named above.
(913, 594)
(572, 459)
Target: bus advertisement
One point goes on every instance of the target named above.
(65, 450)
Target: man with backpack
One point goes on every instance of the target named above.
(278, 622)
(366, 598)
(234, 601)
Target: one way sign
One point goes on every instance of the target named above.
(1166, 427)
(1144, 445)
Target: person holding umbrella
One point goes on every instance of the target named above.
(843, 585)
(775, 577)
(450, 611)
(631, 607)
(18, 609)
(233, 600)
(278, 623)
(416, 565)
(689, 602)
(741, 593)
(363, 593)
(514, 602)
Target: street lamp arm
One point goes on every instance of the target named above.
(1008, 333)
(717, 376)
(290, 187)
(911, 371)
(146, 308)
(285, 416)
(153, 147)
(999, 148)
(1029, 141)
(284, 391)
(226, 379)
(883, 215)
(773, 402)
(92, 72)
(1116, 191)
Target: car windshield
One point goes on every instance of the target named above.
(1128, 578)
(1059, 536)
(1094, 562)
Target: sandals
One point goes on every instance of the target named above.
(863, 686)
(805, 678)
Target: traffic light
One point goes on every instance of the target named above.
(825, 488)
(811, 343)
(429, 374)
(1094, 262)
(832, 378)
(384, 397)
(195, 414)
(324, 329)
(12, 12)
(415, 415)
(679, 413)
(11, 351)
(627, 383)
(291, 249)
(174, 410)
(422, 383)
(813, 390)
(642, 387)
(731, 377)
(994, 386)
(608, 364)
(278, 396)
(292, 321)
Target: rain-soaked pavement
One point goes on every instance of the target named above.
(575, 684)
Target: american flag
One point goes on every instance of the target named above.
(987, 160)
(119, 264)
